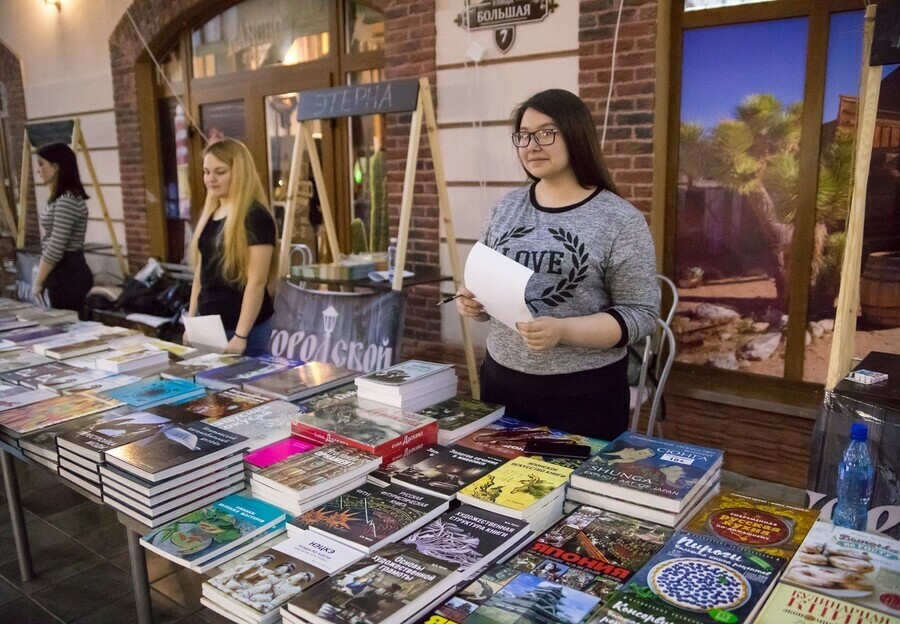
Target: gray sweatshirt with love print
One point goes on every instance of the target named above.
(594, 256)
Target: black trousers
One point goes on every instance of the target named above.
(69, 282)
(593, 402)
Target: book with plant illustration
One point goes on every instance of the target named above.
(516, 486)
(200, 539)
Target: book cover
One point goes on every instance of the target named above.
(461, 413)
(73, 377)
(370, 515)
(261, 425)
(860, 568)
(738, 519)
(796, 605)
(592, 550)
(300, 381)
(448, 471)
(699, 579)
(648, 471)
(264, 583)
(15, 323)
(320, 550)
(504, 595)
(382, 587)
(10, 390)
(383, 474)
(241, 372)
(403, 373)
(228, 402)
(210, 531)
(278, 451)
(507, 437)
(32, 376)
(467, 536)
(344, 394)
(101, 385)
(179, 351)
(52, 411)
(14, 360)
(517, 485)
(174, 450)
(43, 441)
(186, 369)
(87, 346)
(149, 392)
(317, 470)
(130, 358)
(381, 430)
(21, 399)
(32, 334)
(112, 429)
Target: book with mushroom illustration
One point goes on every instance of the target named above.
(859, 568)
(695, 579)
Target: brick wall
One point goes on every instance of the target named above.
(11, 77)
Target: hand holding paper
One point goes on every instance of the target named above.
(206, 331)
(498, 284)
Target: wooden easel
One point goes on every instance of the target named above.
(841, 357)
(62, 131)
(371, 99)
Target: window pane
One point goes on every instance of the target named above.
(699, 5)
(368, 180)
(742, 91)
(878, 326)
(365, 28)
(176, 176)
(257, 33)
(171, 65)
(223, 119)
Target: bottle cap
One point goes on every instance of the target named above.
(859, 431)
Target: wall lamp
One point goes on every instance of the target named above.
(56, 3)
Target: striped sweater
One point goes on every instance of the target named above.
(64, 223)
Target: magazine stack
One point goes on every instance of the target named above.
(524, 488)
(410, 386)
(308, 479)
(179, 469)
(460, 416)
(215, 534)
(649, 478)
(251, 591)
(301, 381)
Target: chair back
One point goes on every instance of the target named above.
(658, 354)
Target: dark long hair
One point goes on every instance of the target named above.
(67, 180)
(577, 127)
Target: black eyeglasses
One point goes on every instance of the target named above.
(541, 137)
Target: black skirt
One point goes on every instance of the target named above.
(69, 282)
(592, 402)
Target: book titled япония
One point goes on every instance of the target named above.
(650, 471)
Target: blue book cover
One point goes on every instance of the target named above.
(210, 532)
(698, 579)
(655, 472)
(235, 375)
(149, 392)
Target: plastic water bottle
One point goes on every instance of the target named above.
(392, 258)
(854, 482)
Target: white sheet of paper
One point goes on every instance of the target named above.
(498, 284)
(206, 331)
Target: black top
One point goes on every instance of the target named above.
(218, 296)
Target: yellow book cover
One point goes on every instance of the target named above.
(518, 484)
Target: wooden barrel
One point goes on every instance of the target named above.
(879, 289)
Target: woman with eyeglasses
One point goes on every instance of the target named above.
(594, 288)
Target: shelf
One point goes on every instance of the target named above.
(424, 276)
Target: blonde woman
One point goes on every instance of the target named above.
(233, 249)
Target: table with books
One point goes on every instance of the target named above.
(309, 493)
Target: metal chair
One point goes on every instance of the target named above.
(656, 356)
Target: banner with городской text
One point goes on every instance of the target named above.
(359, 331)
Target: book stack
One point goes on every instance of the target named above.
(215, 534)
(41, 445)
(82, 450)
(33, 376)
(27, 336)
(838, 575)
(87, 343)
(390, 586)
(150, 392)
(695, 579)
(305, 480)
(237, 374)
(179, 469)
(410, 386)
(370, 516)
(301, 381)
(222, 404)
(277, 451)
(381, 430)
(383, 474)
(100, 386)
(506, 594)
(253, 590)
(592, 550)
(186, 369)
(133, 358)
(524, 488)
(262, 425)
(448, 471)
(21, 358)
(460, 416)
(47, 316)
(59, 381)
(649, 478)
(20, 421)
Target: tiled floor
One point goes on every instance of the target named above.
(82, 571)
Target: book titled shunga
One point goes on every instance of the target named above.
(649, 471)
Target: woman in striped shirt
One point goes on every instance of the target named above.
(63, 271)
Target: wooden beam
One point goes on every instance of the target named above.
(409, 181)
(23, 189)
(848, 298)
(290, 209)
(319, 176)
